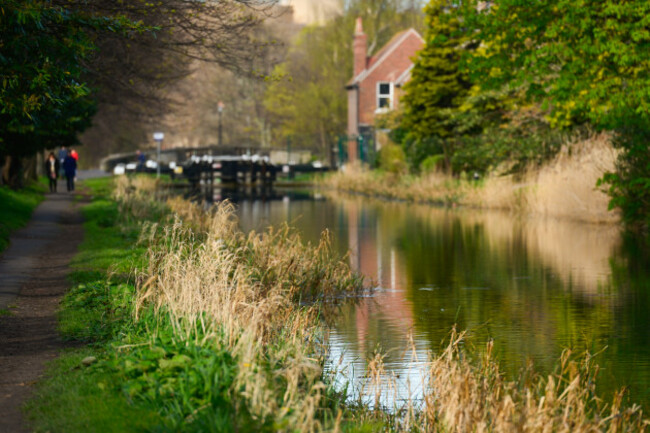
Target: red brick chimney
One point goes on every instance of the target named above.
(360, 48)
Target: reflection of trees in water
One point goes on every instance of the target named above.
(504, 280)
(535, 286)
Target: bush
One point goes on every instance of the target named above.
(433, 163)
(392, 159)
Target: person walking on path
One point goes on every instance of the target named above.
(74, 154)
(63, 152)
(52, 168)
(70, 169)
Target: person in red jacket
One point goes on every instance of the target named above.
(74, 154)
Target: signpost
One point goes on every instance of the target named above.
(220, 107)
(158, 137)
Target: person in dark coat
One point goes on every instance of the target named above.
(70, 169)
(63, 152)
(52, 170)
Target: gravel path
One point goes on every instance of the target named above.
(33, 274)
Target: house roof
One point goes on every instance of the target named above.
(384, 53)
(406, 76)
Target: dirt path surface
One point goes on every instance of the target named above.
(33, 274)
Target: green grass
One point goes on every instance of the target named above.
(107, 243)
(77, 398)
(101, 186)
(73, 398)
(140, 382)
(17, 208)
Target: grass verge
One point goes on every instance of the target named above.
(17, 208)
(194, 326)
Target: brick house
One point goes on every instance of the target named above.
(376, 85)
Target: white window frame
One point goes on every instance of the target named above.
(390, 96)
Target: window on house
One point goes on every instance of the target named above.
(384, 96)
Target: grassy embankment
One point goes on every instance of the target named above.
(16, 208)
(563, 187)
(200, 327)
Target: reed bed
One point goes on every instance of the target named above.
(563, 187)
(257, 295)
(263, 296)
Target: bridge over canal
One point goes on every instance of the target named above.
(219, 164)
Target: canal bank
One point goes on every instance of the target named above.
(221, 330)
(565, 187)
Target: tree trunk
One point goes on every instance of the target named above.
(323, 143)
(30, 171)
(12, 172)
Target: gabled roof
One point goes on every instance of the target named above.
(406, 75)
(384, 53)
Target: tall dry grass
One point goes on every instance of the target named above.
(138, 197)
(466, 396)
(564, 187)
(261, 297)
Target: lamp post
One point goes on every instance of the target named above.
(220, 106)
(158, 137)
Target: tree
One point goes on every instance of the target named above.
(307, 101)
(61, 58)
(438, 87)
(158, 79)
(585, 61)
(44, 102)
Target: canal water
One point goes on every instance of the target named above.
(534, 286)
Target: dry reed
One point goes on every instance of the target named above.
(251, 294)
(564, 187)
(260, 296)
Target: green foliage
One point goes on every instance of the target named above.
(44, 96)
(629, 186)
(307, 100)
(438, 87)
(586, 61)
(433, 163)
(417, 150)
(45, 101)
(95, 311)
(107, 243)
(189, 384)
(392, 159)
(523, 139)
(17, 208)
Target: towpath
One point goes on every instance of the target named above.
(33, 272)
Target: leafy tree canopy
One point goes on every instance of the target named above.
(308, 101)
(438, 87)
(586, 60)
(43, 98)
(59, 58)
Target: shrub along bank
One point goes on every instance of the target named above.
(200, 327)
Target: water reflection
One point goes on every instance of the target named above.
(535, 286)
